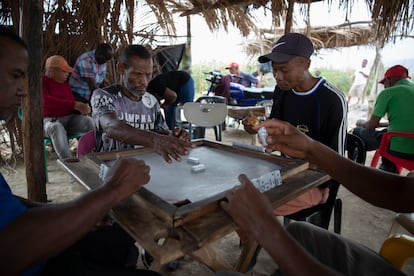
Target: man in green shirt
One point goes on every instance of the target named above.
(396, 100)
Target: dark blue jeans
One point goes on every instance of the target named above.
(184, 95)
(371, 138)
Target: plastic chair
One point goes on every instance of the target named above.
(405, 221)
(218, 129)
(211, 99)
(47, 141)
(321, 214)
(198, 131)
(180, 121)
(205, 115)
(86, 143)
(397, 249)
(355, 148)
(382, 151)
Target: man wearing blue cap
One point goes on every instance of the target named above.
(311, 104)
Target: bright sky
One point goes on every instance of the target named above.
(227, 47)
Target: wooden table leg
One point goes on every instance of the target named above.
(156, 266)
(246, 256)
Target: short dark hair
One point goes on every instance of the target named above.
(134, 50)
(7, 32)
(104, 48)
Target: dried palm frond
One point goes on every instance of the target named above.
(392, 18)
(72, 27)
(343, 35)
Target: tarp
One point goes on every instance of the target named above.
(169, 57)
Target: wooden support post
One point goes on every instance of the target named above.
(32, 105)
(289, 17)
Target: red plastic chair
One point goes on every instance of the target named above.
(399, 162)
(86, 143)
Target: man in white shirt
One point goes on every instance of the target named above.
(359, 80)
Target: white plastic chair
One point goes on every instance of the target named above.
(205, 115)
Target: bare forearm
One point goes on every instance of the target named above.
(382, 189)
(379, 188)
(383, 124)
(127, 134)
(29, 203)
(92, 84)
(170, 99)
(45, 231)
(372, 123)
(170, 96)
(363, 123)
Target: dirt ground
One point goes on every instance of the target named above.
(361, 221)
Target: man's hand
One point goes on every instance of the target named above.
(171, 147)
(83, 108)
(181, 133)
(105, 221)
(287, 139)
(164, 105)
(127, 176)
(249, 208)
(372, 123)
(361, 123)
(248, 127)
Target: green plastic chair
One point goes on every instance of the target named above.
(47, 141)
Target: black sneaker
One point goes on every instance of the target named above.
(173, 265)
(389, 168)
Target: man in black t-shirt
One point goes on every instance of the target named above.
(173, 87)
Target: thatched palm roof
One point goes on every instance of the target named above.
(344, 35)
(83, 24)
(389, 18)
